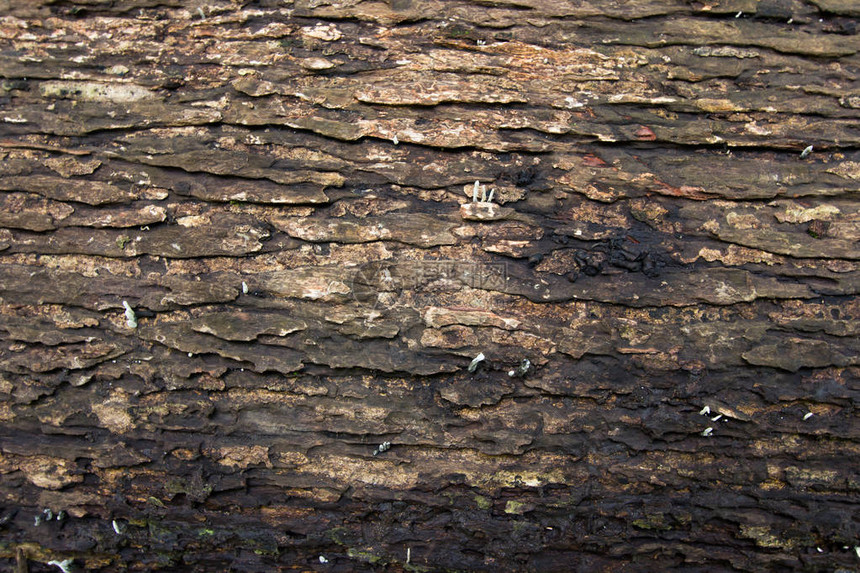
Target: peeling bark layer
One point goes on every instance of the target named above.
(246, 270)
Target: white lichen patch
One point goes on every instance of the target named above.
(94, 91)
(375, 471)
(243, 456)
(793, 212)
(194, 221)
(49, 472)
(743, 220)
(437, 317)
(113, 415)
(846, 170)
(324, 32)
(118, 70)
(317, 64)
(484, 212)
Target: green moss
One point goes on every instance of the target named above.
(516, 507)
(290, 42)
(155, 501)
(338, 535)
(483, 502)
(459, 31)
(522, 527)
(122, 241)
(160, 532)
(654, 521)
(365, 556)
(194, 488)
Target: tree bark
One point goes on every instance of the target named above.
(518, 285)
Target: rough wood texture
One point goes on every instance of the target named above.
(282, 192)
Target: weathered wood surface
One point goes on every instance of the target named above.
(655, 245)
